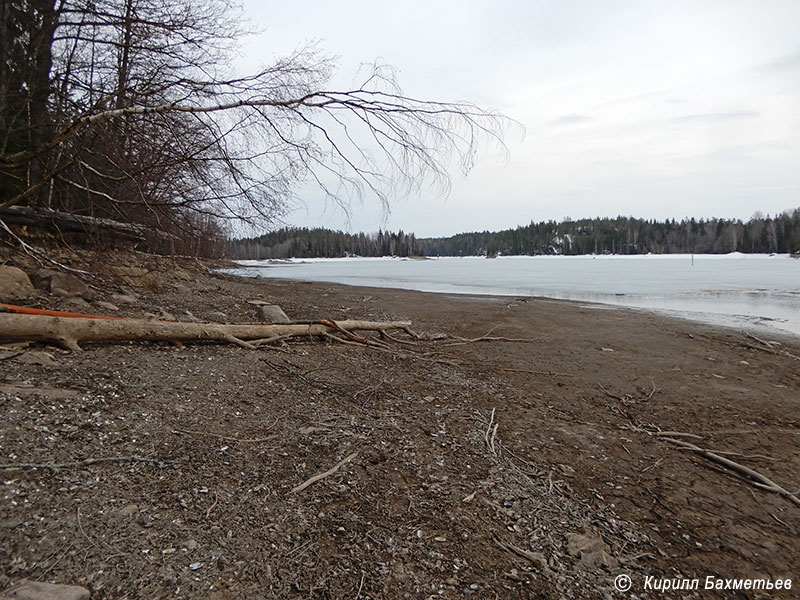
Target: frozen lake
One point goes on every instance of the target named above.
(734, 289)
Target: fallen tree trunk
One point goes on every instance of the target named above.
(53, 220)
(68, 332)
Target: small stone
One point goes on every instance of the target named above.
(106, 305)
(451, 581)
(191, 545)
(77, 302)
(474, 586)
(590, 549)
(128, 511)
(35, 357)
(35, 590)
(124, 298)
(195, 566)
(607, 349)
(15, 284)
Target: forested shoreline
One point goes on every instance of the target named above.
(620, 235)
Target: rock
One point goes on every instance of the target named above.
(58, 283)
(35, 590)
(34, 357)
(272, 313)
(590, 549)
(187, 316)
(128, 511)
(166, 316)
(77, 302)
(124, 298)
(179, 273)
(138, 277)
(15, 284)
(106, 305)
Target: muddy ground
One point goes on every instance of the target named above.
(488, 469)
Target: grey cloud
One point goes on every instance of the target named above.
(569, 120)
(713, 117)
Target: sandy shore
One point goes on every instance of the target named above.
(525, 469)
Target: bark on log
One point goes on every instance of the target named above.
(68, 332)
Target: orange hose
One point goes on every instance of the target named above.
(26, 310)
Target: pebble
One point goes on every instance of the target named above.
(124, 298)
(106, 305)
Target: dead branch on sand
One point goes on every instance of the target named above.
(754, 477)
(325, 474)
(79, 463)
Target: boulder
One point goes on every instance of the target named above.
(15, 284)
(58, 283)
(272, 313)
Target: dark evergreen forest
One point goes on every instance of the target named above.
(620, 235)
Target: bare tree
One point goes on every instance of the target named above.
(141, 123)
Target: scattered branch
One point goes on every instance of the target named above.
(80, 463)
(319, 476)
(754, 477)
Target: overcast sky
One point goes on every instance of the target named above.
(644, 108)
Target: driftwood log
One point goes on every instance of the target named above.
(69, 332)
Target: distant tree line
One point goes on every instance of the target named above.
(621, 235)
(292, 242)
(626, 235)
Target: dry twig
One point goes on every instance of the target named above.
(756, 478)
(79, 463)
(227, 438)
(319, 476)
